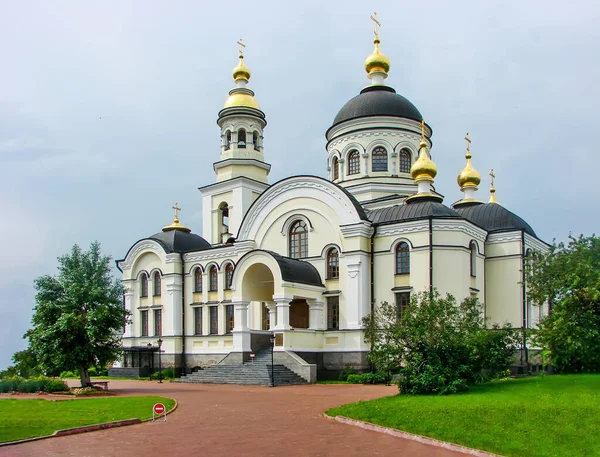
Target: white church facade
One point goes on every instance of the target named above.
(307, 258)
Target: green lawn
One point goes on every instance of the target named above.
(28, 418)
(534, 417)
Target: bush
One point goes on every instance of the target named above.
(39, 384)
(347, 371)
(69, 374)
(167, 373)
(437, 345)
(366, 378)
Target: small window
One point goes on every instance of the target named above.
(214, 282)
(227, 139)
(402, 259)
(229, 318)
(266, 317)
(198, 280)
(336, 168)
(333, 313)
(224, 209)
(143, 285)
(333, 264)
(255, 139)
(197, 321)
(298, 240)
(228, 276)
(379, 159)
(402, 302)
(353, 163)
(242, 138)
(214, 320)
(157, 322)
(473, 258)
(144, 322)
(156, 284)
(405, 161)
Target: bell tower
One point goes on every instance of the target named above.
(241, 172)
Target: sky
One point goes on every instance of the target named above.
(108, 110)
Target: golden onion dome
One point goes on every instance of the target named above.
(377, 62)
(241, 71)
(469, 177)
(424, 168)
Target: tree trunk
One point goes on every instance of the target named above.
(84, 375)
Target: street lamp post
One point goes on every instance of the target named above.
(272, 340)
(160, 341)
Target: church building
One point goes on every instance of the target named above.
(294, 266)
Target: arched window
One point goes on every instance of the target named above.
(241, 138)
(156, 283)
(255, 139)
(143, 285)
(353, 163)
(402, 259)
(227, 139)
(336, 168)
(379, 160)
(224, 209)
(228, 276)
(405, 161)
(473, 262)
(333, 264)
(298, 240)
(198, 280)
(214, 282)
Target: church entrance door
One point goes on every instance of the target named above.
(299, 313)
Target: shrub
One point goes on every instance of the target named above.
(366, 378)
(69, 374)
(39, 384)
(167, 373)
(347, 371)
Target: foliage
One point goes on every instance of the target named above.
(26, 419)
(347, 371)
(530, 417)
(33, 385)
(437, 345)
(568, 277)
(167, 373)
(366, 378)
(79, 314)
(25, 365)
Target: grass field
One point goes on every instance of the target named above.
(535, 417)
(28, 418)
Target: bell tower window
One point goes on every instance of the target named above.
(227, 139)
(255, 139)
(224, 211)
(473, 258)
(405, 161)
(336, 168)
(379, 159)
(353, 163)
(242, 138)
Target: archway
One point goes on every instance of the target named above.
(258, 283)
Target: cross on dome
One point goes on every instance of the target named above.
(377, 24)
(242, 46)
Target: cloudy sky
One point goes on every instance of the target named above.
(108, 110)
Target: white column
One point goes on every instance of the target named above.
(173, 302)
(393, 165)
(358, 297)
(365, 168)
(315, 315)
(129, 307)
(283, 313)
(272, 315)
(241, 331)
(342, 163)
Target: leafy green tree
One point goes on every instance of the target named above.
(437, 345)
(568, 278)
(79, 314)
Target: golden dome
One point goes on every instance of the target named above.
(377, 62)
(239, 98)
(241, 71)
(469, 177)
(176, 225)
(424, 169)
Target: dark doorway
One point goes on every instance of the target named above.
(299, 313)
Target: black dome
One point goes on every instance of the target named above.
(411, 211)
(493, 218)
(378, 101)
(180, 241)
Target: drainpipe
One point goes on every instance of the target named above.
(524, 294)
(430, 257)
(183, 367)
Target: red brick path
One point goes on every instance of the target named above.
(224, 420)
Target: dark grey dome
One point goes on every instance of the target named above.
(411, 211)
(493, 218)
(180, 241)
(378, 101)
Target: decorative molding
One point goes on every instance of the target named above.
(461, 226)
(138, 248)
(535, 243)
(402, 228)
(363, 228)
(224, 253)
(504, 237)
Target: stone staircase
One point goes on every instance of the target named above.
(254, 372)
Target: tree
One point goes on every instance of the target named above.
(568, 278)
(79, 314)
(437, 345)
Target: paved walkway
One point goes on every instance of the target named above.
(225, 420)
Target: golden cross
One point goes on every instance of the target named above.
(422, 129)
(242, 46)
(177, 209)
(468, 143)
(493, 176)
(377, 24)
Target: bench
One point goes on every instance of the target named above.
(103, 384)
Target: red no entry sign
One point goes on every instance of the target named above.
(159, 408)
